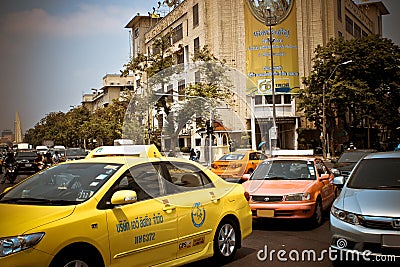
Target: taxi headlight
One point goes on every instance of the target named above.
(345, 216)
(13, 244)
(298, 197)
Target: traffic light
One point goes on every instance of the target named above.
(210, 129)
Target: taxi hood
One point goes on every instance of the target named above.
(18, 219)
(277, 187)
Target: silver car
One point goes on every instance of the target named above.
(365, 218)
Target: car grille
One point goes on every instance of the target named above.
(267, 198)
(379, 223)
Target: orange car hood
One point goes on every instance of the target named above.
(277, 187)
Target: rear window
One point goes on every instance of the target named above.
(25, 154)
(376, 174)
(232, 157)
(351, 156)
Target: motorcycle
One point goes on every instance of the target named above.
(41, 165)
(11, 172)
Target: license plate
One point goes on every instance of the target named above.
(265, 213)
(392, 241)
(28, 165)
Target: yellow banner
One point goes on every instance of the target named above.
(282, 14)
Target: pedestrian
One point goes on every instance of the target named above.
(192, 155)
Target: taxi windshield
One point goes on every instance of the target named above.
(66, 184)
(284, 170)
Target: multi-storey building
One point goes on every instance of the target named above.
(240, 32)
(113, 86)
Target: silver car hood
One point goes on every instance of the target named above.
(384, 203)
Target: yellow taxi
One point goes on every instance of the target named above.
(293, 185)
(122, 206)
(232, 166)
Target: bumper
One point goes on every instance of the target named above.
(29, 257)
(283, 211)
(362, 240)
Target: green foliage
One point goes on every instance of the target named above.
(362, 93)
(78, 126)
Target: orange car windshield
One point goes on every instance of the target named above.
(284, 170)
(232, 157)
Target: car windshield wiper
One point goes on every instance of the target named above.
(40, 201)
(274, 177)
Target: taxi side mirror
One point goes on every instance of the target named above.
(123, 197)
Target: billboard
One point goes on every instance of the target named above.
(285, 70)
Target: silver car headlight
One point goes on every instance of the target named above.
(13, 244)
(345, 216)
(298, 197)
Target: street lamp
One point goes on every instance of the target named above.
(323, 109)
(269, 21)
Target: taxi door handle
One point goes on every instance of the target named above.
(169, 208)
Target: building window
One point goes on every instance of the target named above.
(340, 34)
(364, 34)
(196, 45)
(287, 99)
(181, 89)
(278, 99)
(195, 15)
(268, 99)
(258, 100)
(197, 77)
(349, 25)
(136, 34)
(170, 91)
(177, 33)
(357, 31)
(180, 57)
(339, 9)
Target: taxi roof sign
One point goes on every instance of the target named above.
(141, 151)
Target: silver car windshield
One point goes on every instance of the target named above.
(376, 173)
(65, 184)
(284, 170)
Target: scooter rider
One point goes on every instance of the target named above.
(10, 159)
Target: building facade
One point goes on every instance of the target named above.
(270, 42)
(113, 86)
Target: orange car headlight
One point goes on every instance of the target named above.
(298, 197)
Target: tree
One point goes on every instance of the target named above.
(160, 67)
(361, 94)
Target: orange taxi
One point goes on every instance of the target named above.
(232, 166)
(291, 187)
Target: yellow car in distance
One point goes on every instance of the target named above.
(137, 209)
(234, 165)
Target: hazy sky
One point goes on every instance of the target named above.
(53, 51)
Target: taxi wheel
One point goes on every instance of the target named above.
(73, 258)
(226, 241)
(317, 217)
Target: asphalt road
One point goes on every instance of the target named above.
(283, 241)
(275, 237)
